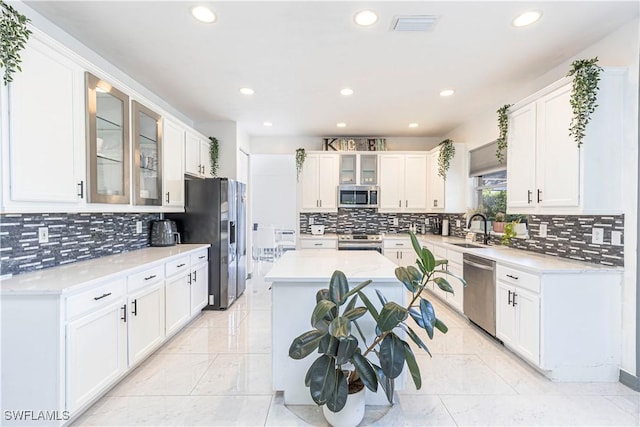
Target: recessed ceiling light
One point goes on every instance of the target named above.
(246, 91)
(203, 14)
(341, 125)
(527, 18)
(346, 91)
(366, 18)
(447, 92)
(413, 125)
(268, 124)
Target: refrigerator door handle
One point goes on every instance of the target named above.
(232, 232)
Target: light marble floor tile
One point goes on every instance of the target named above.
(219, 319)
(237, 374)
(416, 410)
(293, 415)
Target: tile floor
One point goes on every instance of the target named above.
(217, 371)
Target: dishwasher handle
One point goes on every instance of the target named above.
(476, 265)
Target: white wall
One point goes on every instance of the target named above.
(273, 193)
(620, 48)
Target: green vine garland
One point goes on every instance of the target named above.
(301, 155)
(503, 126)
(14, 35)
(213, 153)
(447, 151)
(584, 94)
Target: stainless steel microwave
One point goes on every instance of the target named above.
(358, 196)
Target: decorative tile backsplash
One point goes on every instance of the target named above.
(72, 237)
(567, 236)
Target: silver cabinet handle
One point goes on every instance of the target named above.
(167, 197)
(399, 203)
(102, 296)
(406, 203)
(150, 277)
(512, 277)
(181, 265)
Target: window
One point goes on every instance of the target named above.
(491, 193)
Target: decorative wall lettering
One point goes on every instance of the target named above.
(353, 144)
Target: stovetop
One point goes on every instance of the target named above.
(360, 237)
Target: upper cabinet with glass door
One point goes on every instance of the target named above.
(368, 169)
(108, 142)
(147, 154)
(358, 169)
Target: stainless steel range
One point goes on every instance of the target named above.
(360, 242)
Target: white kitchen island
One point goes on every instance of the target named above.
(295, 279)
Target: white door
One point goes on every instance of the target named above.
(558, 156)
(528, 324)
(192, 163)
(436, 183)
(173, 165)
(199, 288)
(521, 155)
(391, 182)
(178, 303)
(328, 182)
(309, 183)
(96, 353)
(505, 314)
(415, 183)
(146, 321)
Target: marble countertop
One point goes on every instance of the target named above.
(317, 265)
(319, 236)
(71, 277)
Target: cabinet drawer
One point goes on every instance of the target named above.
(97, 297)
(397, 244)
(200, 256)
(177, 266)
(519, 278)
(318, 244)
(454, 257)
(144, 278)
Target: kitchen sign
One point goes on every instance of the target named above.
(354, 144)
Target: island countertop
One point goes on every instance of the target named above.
(318, 266)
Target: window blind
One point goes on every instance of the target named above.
(483, 160)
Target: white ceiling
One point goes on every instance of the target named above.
(297, 55)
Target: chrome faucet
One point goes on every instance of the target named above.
(484, 219)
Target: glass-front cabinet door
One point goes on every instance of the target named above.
(108, 142)
(147, 155)
(348, 172)
(368, 169)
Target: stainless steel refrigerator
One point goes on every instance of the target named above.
(215, 213)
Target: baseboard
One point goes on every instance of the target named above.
(630, 380)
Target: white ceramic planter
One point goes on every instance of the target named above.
(351, 414)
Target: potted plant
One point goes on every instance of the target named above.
(584, 94)
(213, 153)
(301, 155)
(498, 224)
(503, 128)
(14, 35)
(447, 151)
(346, 361)
(509, 232)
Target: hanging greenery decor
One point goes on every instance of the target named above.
(301, 154)
(213, 153)
(503, 126)
(584, 93)
(447, 151)
(14, 35)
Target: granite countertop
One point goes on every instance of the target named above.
(72, 277)
(317, 265)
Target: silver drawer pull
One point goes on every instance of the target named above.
(399, 244)
(512, 277)
(317, 244)
(202, 257)
(103, 296)
(150, 277)
(181, 265)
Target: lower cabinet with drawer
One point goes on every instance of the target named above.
(399, 251)
(199, 282)
(178, 294)
(319, 243)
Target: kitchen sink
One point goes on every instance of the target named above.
(468, 245)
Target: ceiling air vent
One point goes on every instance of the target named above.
(422, 23)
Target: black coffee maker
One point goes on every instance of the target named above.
(436, 227)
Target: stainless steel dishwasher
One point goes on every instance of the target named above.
(480, 292)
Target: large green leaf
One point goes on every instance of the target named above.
(322, 309)
(322, 379)
(413, 366)
(464, 283)
(388, 384)
(441, 326)
(322, 294)
(428, 260)
(390, 316)
(414, 274)
(340, 327)
(381, 297)
(305, 344)
(337, 398)
(351, 304)
(323, 325)
(423, 270)
(365, 371)
(329, 345)
(443, 284)
(392, 355)
(416, 339)
(415, 243)
(346, 349)
(417, 316)
(403, 276)
(338, 287)
(355, 313)
(358, 288)
(428, 316)
(370, 307)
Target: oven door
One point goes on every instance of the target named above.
(359, 246)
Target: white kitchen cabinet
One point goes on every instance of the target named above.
(547, 172)
(43, 132)
(319, 183)
(318, 243)
(199, 282)
(197, 158)
(96, 344)
(403, 182)
(448, 195)
(145, 303)
(358, 169)
(173, 172)
(399, 251)
(177, 295)
(435, 194)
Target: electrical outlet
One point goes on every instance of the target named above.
(43, 234)
(311, 220)
(597, 236)
(458, 223)
(395, 222)
(138, 227)
(543, 230)
(616, 238)
(426, 221)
